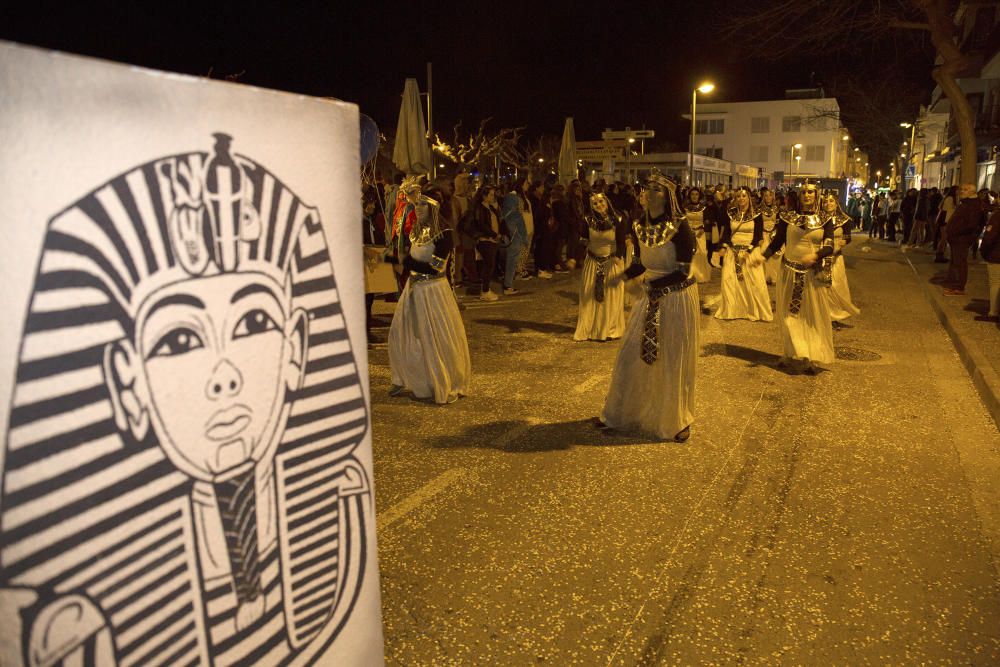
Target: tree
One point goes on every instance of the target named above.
(478, 146)
(800, 27)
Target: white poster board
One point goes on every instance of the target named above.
(185, 476)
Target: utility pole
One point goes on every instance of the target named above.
(430, 119)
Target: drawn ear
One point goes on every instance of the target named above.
(120, 375)
(297, 335)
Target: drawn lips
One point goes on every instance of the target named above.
(227, 424)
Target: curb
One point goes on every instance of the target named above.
(985, 379)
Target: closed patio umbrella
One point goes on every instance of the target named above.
(567, 154)
(411, 153)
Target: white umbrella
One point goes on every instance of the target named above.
(567, 154)
(412, 153)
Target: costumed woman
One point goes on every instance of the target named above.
(744, 288)
(768, 210)
(428, 350)
(652, 385)
(803, 309)
(694, 211)
(834, 272)
(602, 292)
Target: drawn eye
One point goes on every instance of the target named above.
(176, 341)
(254, 322)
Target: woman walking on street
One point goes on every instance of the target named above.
(652, 385)
(602, 292)
(694, 211)
(744, 287)
(484, 229)
(803, 309)
(428, 349)
(769, 214)
(834, 270)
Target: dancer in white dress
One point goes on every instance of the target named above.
(803, 309)
(694, 211)
(768, 210)
(428, 349)
(602, 293)
(652, 385)
(744, 288)
(834, 272)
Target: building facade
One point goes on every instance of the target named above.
(795, 137)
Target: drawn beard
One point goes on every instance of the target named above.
(236, 498)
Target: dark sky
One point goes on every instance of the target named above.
(523, 64)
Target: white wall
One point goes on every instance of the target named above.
(738, 141)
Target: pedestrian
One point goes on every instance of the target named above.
(564, 221)
(907, 211)
(653, 382)
(895, 204)
(803, 312)
(428, 349)
(834, 271)
(694, 211)
(948, 206)
(545, 231)
(919, 232)
(744, 287)
(601, 313)
(465, 250)
(963, 228)
(990, 250)
(514, 212)
(482, 224)
(575, 224)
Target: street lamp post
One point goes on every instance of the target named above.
(706, 87)
(793, 156)
(909, 147)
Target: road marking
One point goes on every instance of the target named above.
(420, 497)
(589, 383)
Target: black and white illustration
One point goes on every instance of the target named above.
(180, 484)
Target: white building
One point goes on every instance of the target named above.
(764, 135)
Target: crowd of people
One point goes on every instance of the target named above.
(650, 246)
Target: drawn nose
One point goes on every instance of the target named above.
(225, 381)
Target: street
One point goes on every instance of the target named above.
(848, 518)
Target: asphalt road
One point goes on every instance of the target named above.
(848, 518)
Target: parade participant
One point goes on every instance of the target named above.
(402, 221)
(768, 211)
(694, 211)
(744, 288)
(602, 309)
(652, 385)
(428, 350)
(803, 310)
(834, 273)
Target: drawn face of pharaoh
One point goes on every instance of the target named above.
(212, 361)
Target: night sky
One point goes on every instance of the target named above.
(523, 64)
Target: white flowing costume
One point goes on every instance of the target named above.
(657, 398)
(806, 329)
(772, 267)
(601, 320)
(428, 349)
(839, 292)
(701, 270)
(744, 288)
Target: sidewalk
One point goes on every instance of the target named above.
(977, 342)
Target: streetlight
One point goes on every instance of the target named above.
(792, 154)
(798, 159)
(705, 88)
(541, 160)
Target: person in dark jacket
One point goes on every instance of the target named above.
(990, 250)
(962, 229)
(483, 225)
(907, 211)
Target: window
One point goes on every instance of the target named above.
(815, 153)
(786, 153)
(711, 126)
(791, 124)
(758, 154)
(711, 152)
(760, 125)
